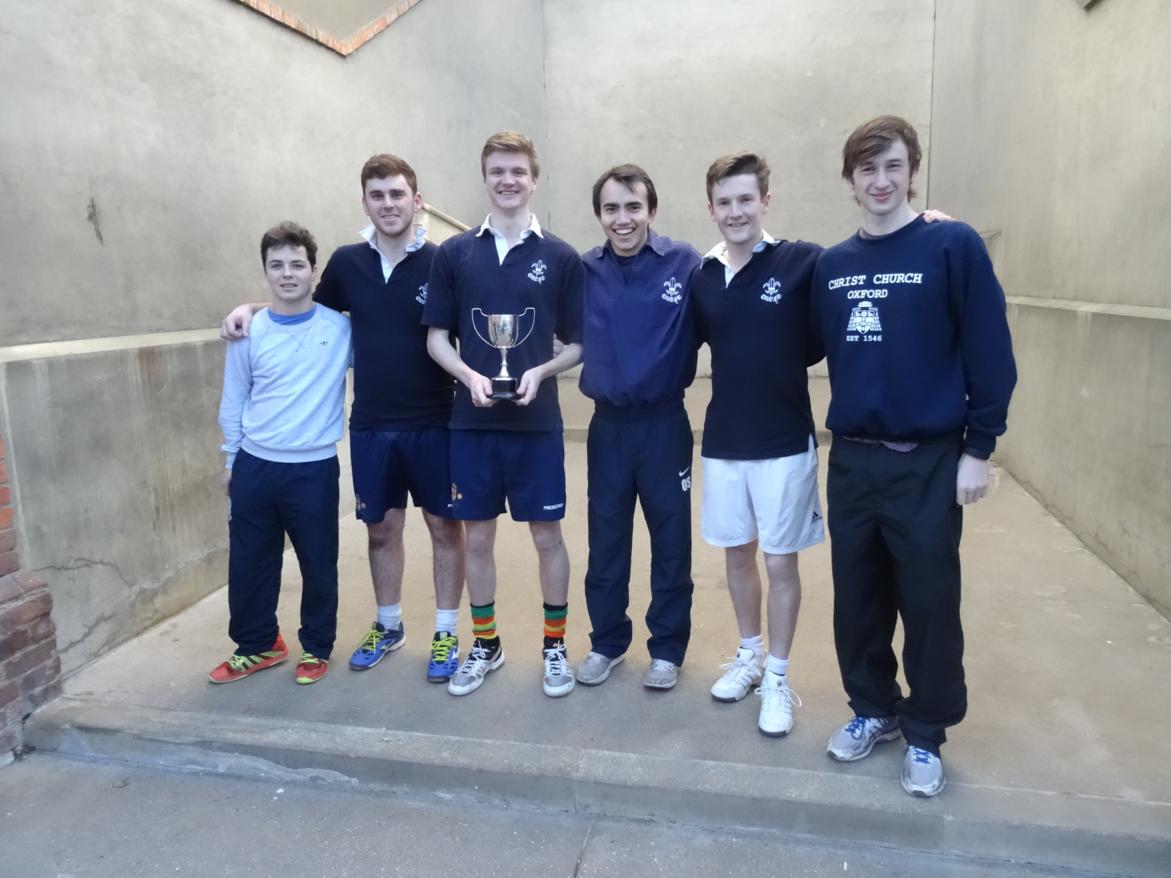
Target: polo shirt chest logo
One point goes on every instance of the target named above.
(537, 272)
(672, 291)
(772, 291)
(422, 297)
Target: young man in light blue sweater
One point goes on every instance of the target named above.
(282, 415)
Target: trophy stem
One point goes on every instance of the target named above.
(504, 363)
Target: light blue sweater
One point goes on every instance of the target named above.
(285, 388)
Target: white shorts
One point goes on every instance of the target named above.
(772, 500)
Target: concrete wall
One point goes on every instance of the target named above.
(673, 84)
(145, 147)
(1052, 125)
(143, 150)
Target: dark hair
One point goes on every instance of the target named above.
(509, 141)
(288, 234)
(735, 164)
(384, 165)
(627, 175)
(877, 136)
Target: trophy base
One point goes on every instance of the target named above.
(504, 388)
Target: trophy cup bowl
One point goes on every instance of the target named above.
(503, 333)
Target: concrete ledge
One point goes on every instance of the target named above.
(1105, 835)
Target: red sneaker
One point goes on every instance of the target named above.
(239, 666)
(311, 668)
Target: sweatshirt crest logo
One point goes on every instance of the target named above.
(422, 297)
(772, 291)
(864, 319)
(672, 291)
(537, 272)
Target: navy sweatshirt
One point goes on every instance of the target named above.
(916, 337)
(638, 333)
(542, 273)
(396, 383)
(758, 331)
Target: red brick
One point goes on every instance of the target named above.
(9, 563)
(30, 582)
(41, 677)
(13, 642)
(7, 539)
(21, 614)
(24, 662)
(10, 589)
(5, 494)
(5, 516)
(3, 470)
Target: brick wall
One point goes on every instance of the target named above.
(30, 669)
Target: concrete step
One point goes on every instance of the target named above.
(1060, 760)
(1104, 837)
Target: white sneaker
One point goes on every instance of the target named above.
(776, 706)
(480, 661)
(740, 675)
(922, 773)
(558, 679)
(661, 674)
(857, 738)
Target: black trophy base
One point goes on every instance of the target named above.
(504, 388)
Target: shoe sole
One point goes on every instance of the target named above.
(925, 792)
(723, 699)
(394, 647)
(441, 678)
(659, 687)
(561, 691)
(598, 681)
(497, 662)
(308, 681)
(889, 736)
(773, 734)
(279, 661)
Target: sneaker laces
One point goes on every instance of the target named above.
(242, 662)
(740, 669)
(556, 662)
(856, 727)
(476, 661)
(662, 665)
(308, 658)
(441, 648)
(923, 757)
(769, 693)
(370, 644)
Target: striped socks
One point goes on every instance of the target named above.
(555, 623)
(484, 621)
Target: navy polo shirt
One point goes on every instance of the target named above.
(468, 282)
(396, 383)
(916, 336)
(638, 333)
(758, 330)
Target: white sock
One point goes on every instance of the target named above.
(756, 644)
(446, 620)
(390, 616)
(778, 666)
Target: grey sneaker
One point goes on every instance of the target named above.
(661, 674)
(558, 679)
(476, 667)
(776, 706)
(596, 668)
(922, 773)
(857, 738)
(740, 675)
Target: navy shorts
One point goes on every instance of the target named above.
(525, 468)
(387, 464)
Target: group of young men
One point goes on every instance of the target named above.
(908, 313)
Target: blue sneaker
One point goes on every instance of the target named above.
(376, 644)
(444, 657)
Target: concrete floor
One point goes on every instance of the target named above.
(1067, 669)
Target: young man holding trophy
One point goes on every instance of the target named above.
(503, 291)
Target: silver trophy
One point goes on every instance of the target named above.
(503, 334)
